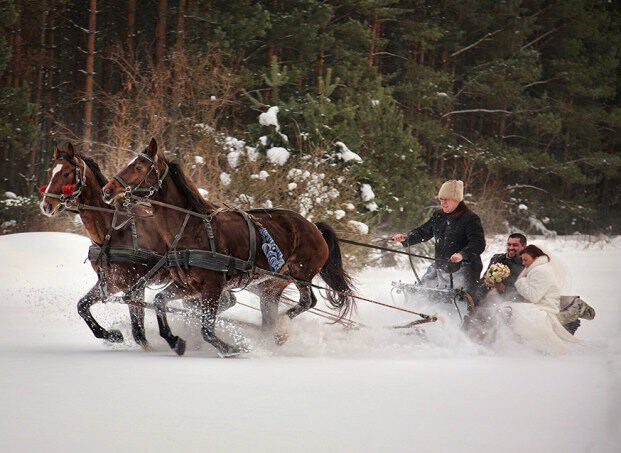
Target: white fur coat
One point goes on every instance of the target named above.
(536, 321)
(537, 284)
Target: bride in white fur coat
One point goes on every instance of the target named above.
(535, 320)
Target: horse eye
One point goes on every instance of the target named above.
(65, 175)
(138, 168)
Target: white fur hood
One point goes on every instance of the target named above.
(537, 284)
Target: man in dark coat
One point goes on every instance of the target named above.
(511, 258)
(460, 240)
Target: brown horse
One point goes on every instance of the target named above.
(307, 248)
(76, 180)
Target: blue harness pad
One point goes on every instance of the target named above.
(271, 251)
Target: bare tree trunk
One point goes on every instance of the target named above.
(52, 61)
(17, 47)
(378, 35)
(42, 53)
(34, 151)
(271, 50)
(107, 68)
(181, 23)
(160, 31)
(50, 95)
(90, 71)
(131, 29)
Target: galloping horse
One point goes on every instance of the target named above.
(76, 181)
(307, 248)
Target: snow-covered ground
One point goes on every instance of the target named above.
(374, 389)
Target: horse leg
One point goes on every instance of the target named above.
(269, 311)
(209, 310)
(84, 310)
(136, 314)
(269, 292)
(161, 299)
(307, 301)
(227, 300)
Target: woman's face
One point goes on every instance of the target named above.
(448, 205)
(527, 260)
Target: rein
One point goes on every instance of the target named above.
(401, 252)
(425, 317)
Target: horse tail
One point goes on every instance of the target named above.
(334, 275)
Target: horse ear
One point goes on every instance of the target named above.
(56, 152)
(69, 150)
(152, 148)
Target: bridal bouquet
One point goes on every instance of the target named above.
(497, 273)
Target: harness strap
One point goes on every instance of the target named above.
(253, 239)
(123, 223)
(120, 181)
(210, 235)
(206, 259)
(134, 232)
(161, 262)
(124, 254)
(173, 246)
(103, 260)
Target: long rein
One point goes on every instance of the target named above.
(427, 318)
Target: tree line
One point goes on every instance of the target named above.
(520, 99)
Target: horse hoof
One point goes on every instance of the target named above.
(145, 345)
(179, 347)
(114, 336)
(229, 352)
(281, 335)
(281, 338)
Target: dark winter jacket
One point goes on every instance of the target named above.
(457, 232)
(515, 266)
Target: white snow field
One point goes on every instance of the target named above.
(326, 389)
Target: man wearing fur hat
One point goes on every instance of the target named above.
(459, 236)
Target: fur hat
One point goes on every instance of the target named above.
(453, 189)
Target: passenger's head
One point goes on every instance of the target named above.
(515, 244)
(530, 254)
(450, 195)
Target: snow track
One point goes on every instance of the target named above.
(325, 389)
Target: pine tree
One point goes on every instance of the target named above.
(17, 117)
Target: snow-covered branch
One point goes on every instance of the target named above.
(525, 186)
(455, 112)
(476, 43)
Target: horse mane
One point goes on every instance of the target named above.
(90, 163)
(187, 188)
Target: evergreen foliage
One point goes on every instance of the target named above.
(520, 99)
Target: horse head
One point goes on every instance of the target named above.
(142, 176)
(66, 178)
